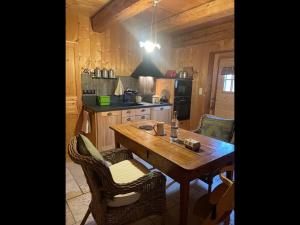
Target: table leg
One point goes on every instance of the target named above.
(184, 202)
(117, 144)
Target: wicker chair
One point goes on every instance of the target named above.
(151, 186)
(218, 128)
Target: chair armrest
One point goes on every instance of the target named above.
(153, 181)
(117, 155)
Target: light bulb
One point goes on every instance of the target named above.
(149, 45)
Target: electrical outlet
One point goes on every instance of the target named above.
(200, 91)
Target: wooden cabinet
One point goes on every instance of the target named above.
(162, 113)
(127, 119)
(130, 115)
(142, 111)
(105, 135)
(142, 117)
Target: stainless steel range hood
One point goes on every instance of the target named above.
(147, 68)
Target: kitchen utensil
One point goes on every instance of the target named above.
(160, 130)
(104, 73)
(111, 73)
(190, 71)
(180, 74)
(97, 72)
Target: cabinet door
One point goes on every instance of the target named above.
(162, 113)
(105, 135)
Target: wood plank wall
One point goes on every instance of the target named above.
(116, 48)
(196, 49)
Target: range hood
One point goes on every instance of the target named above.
(147, 68)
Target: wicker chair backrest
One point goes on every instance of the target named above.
(97, 174)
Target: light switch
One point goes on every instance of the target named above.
(200, 91)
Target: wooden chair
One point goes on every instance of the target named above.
(216, 207)
(99, 176)
(218, 128)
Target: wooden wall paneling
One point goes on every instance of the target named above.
(122, 52)
(107, 50)
(70, 70)
(84, 27)
(113, 47)
(72, 23)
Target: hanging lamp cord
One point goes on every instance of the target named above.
(153, 22)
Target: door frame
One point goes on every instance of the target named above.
(214, 62)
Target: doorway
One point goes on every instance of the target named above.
(222, 90)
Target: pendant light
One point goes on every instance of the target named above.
(151, 44)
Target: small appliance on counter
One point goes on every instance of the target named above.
(129, 96)
(138, 99)
(103, 100)
(155, 99)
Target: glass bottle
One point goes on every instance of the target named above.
(174, 126)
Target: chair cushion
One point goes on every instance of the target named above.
(86, 147)
(217, 127)
(124, 172)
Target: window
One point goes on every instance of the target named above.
(228, 83)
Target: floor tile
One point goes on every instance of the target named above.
(69, 217)
(85, 188)
(72, 189)
(79, 206)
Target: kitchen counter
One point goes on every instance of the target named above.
(113, 107)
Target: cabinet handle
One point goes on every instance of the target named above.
(143, 117)
(128, 111)
(161, 108)
(143, 110)
(109, 114)
(128, 119)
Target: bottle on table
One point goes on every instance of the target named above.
(174, 127)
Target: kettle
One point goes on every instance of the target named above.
(104, 73)
(97, 72)
(111, 73)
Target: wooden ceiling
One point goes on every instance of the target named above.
(171, 15)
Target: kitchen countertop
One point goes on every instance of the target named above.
(113, 107)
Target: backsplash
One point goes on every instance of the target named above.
(144, 85)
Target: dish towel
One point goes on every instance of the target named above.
(119, 89)
(86, 123)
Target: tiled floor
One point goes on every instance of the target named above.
(78, 198)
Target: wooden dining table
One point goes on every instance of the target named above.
(175, 160)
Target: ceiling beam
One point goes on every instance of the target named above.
(118, 11)
(200, 14)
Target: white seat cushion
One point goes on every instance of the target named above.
(124, 172)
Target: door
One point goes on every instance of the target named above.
(222, 96)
